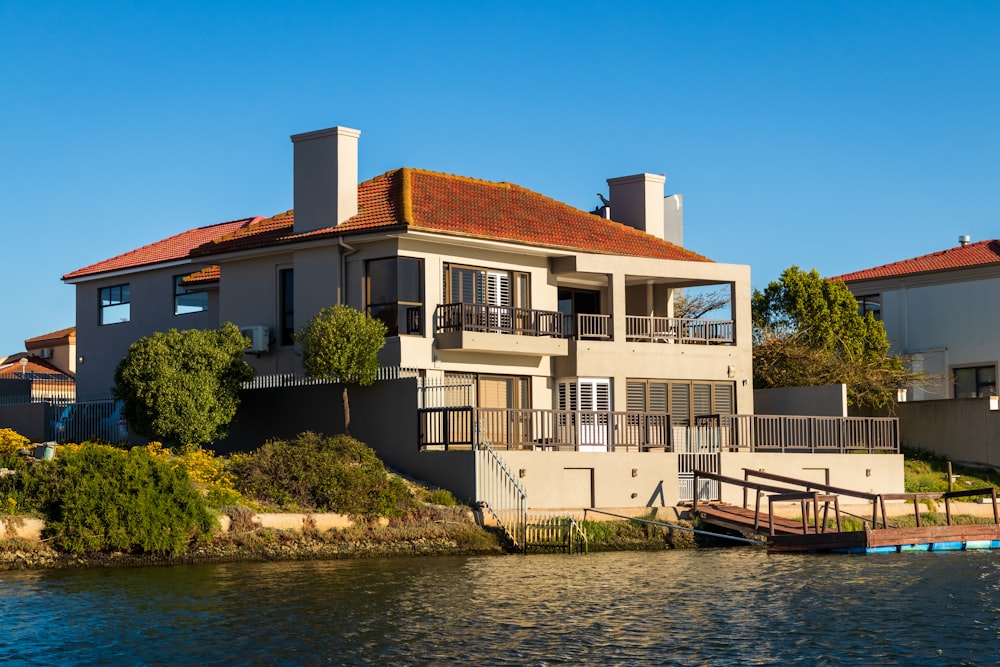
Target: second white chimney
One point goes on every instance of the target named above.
(326, 177)
(637, 201)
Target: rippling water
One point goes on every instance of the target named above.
(706, 607)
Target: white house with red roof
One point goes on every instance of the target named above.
(939, 312)
(519, 321)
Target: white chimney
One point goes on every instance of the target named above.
(673, 219)
(326, 177)
(637, 201)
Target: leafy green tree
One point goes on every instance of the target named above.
(182, 387)
(341, 344)
(808, 331)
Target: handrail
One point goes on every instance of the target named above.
(497, 483)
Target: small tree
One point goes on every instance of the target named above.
(807, 330)
(341, 344)
(182, 387)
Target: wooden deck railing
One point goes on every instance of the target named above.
(571, 430)
(786, 433)
(498, 319)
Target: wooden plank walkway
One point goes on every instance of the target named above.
(810, 532)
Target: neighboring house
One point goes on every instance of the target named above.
(938, 314)
(515, 320)
(45, 372)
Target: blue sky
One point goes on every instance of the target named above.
(834, 135)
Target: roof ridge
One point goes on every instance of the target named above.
(991, 244)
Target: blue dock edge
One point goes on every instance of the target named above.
(971, 545)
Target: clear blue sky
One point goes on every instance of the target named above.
(834, 135)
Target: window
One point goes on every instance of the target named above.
(870, 303)
(470, 284)
(395, 289)
(683, 400)
(188, 299)
(115, 304)
(286, 298)
(975, 382)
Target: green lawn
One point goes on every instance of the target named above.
(926, 472)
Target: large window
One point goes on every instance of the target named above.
(975, 382)
(395, 289)
(188, 299)
(286, 287)
(683, 400)
(115, 304)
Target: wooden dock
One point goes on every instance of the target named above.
(819, 506)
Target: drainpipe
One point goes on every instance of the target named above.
(346, 250)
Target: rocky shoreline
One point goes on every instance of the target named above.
(444, 532)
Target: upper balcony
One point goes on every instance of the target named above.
(477, 327)
(654, 329)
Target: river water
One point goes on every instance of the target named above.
(690, 607)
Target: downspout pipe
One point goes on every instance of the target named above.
(345, 251)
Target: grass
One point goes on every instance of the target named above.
(926, 472)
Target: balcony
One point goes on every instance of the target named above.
(477, 327)
(679, 330)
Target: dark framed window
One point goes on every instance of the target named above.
(394, 294)
(286, 304)
(975, 381)
(870, 303)
(188, 299)
(474, 284)
(115, 306)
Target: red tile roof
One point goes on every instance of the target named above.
(972, 254)
(443, 203)
(426, 201)
(11, 368)
(174, 247)
(61, 337)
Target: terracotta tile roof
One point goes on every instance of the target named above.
(10, 368)
(456, 205)
(209, 274)
(174, 247)
(972, 254)
(61, 337)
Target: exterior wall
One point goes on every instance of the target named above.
(825, 401)
(564, 480)
(870, 473)
(941, 320)
(249, 296)
(965, 429)
(151, 309)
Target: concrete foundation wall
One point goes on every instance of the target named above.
(558, 480)
(871, 473)
(965, 430)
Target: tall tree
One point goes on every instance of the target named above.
(182, 387)
(807, 330)
(341, 344)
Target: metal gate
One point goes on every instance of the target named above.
(698, 448)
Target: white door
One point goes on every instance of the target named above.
(590, 401)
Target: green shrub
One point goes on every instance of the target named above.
(318, 473)
(11, 441)
(441, 497)
(97, 497)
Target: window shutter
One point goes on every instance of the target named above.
(635, 396)
(724, 399)
(702, 399)
(680, 403)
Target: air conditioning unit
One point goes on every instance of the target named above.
(45, 353)
(259, 338)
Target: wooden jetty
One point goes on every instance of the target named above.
(820, 505)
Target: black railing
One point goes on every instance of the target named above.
(498, 319)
